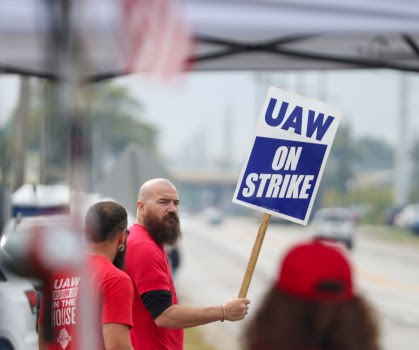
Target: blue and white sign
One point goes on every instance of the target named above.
(293, 138)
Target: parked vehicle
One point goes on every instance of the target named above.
(18, 306)
(35, 200)
(408, 218)
(336, 224)
(214, 216)
(391, 214)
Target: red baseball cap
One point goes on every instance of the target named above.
(317, 271)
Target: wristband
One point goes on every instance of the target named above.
(224, 313)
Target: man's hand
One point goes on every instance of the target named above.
(236, 309)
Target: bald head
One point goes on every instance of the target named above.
(154, 195)
(151, 186)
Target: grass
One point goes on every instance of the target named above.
(195, 341)
(392, 233)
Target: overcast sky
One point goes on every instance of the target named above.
(370, 100)
(200, 104)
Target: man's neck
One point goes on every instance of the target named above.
(102, 249)
(138, 221)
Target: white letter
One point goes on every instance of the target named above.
(293, 187)
(250, 189)
(284, 186)
(293, 158)
(263, 178)
(279, 158)
(58, 285)
(306, 186)
(73, 315)
(273, 187)
(75, 281)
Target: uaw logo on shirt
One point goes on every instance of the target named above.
(63, 338)
(64, 308)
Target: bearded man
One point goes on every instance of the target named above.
(158, 319)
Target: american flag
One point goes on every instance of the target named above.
(156, 37)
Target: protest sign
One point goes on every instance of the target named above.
(282, 173)
(293, 138)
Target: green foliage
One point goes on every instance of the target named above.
(45, 116)
(6, 147)
(111, 119)
(373, 153)
(378, 201)
(332, 198)
(117, 117)
(338, 171)
(349, 158)
(343, 155)
(374, 201)
(392, 234)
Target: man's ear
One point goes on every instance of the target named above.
(121, 238)
(140, 207)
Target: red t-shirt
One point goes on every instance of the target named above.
(148, 266)
(112, 289)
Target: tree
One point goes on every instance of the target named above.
(339, 169)
(351, 157)
(117, 116)
(112, 119)
(372, 153)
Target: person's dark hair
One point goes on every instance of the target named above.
(284, 322)
(104, 221)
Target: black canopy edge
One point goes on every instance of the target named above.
(231, 48)
(276, 47)
(412, 43)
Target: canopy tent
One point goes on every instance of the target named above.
(230, 35)
(306, 34)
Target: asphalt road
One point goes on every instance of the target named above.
(214, 260)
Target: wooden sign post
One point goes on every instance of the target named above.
(254, 256)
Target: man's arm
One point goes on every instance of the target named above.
(42, 344)
(181, 316)
(116, 336)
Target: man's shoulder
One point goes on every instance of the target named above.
(139, 236)
(105, 268)
(113, 273)
(118, 273)
(143, 251)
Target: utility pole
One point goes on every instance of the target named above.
(322, 91)
(262, 83)
(44, 134)
(227, 158)
(20, 133)
(401, 170)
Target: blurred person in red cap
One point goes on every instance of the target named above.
(312, 305)
(113, 292)
(158, 317)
